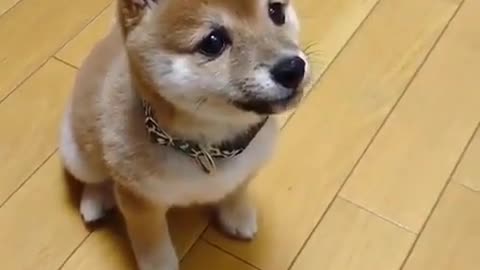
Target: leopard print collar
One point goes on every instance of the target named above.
(204, 156)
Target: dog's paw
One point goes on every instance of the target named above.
(95, 202)
(238, 221)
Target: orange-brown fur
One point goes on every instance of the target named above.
(150, 54)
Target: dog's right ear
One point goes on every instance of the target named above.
(131, 12)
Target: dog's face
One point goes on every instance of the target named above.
(218, 57)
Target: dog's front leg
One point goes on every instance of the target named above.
(237, 215)
(148, 231)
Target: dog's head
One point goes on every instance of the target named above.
(220, 58)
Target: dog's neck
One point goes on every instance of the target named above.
(184, 124)
(203, 154)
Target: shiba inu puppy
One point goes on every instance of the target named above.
(175, 106)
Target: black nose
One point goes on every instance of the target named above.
(289, 72)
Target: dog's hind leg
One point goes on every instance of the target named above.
(97, 196)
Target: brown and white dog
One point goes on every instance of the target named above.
(174, 107)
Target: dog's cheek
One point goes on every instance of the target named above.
(174, 73)
(183, 75)
(181, 72)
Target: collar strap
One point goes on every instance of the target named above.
(204, 155)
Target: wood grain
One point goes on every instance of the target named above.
(205, 257)
(40, 226)
(78, 48)
(30, 119)
(407, 166)
(350, 238)
(451, 239)
(5, 5)
(468, 172)
(327, 135)
(33, 30)
(108, 248)
(327, 26)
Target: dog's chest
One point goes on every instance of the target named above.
(186, 183)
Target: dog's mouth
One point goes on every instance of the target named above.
(269, 106)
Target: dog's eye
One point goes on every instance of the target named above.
(214, 43)
(276, 11)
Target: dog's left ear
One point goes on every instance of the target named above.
(131, 12)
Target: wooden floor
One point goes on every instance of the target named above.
(378, 169)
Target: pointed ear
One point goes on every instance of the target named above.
(131, 12)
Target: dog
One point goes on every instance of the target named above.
(176, 106)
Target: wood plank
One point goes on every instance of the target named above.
(34, 30)
(350, 238)
(205, 257)
(40, 226)
(407, 166)
(30, 119)
(5, 5)
(78, 48)
(329, 132)
(110, 244)
(468, 172)
(327, 26)
(451, 239)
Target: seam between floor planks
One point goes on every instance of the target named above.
(28, 178)
(440, 196)
(327, 67)
(10, 8)
(41, 164)
(65, 62)
(226, 252)
(389, 221)
(29, 75)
